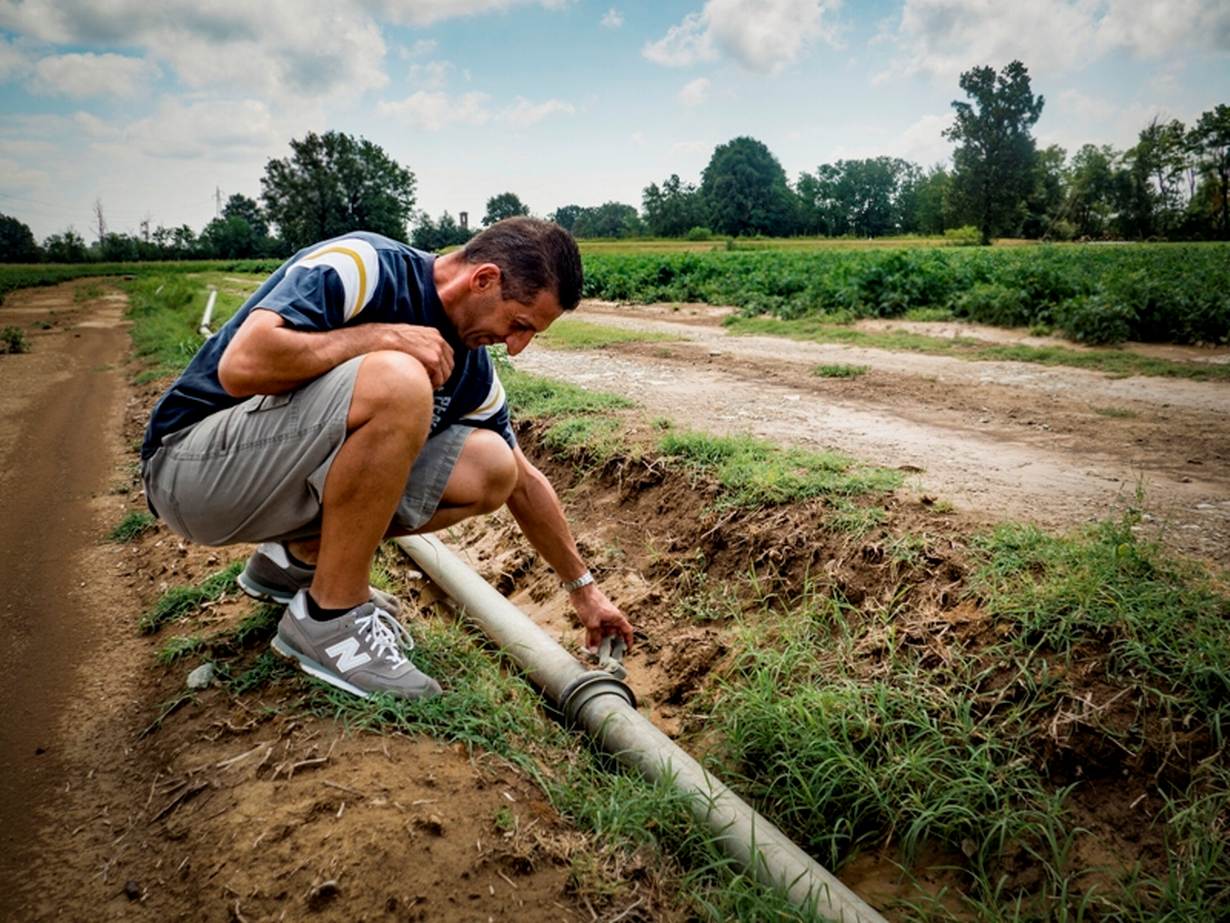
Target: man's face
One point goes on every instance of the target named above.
(488, 317)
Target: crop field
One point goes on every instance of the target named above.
(1163, 292)
(951, 613)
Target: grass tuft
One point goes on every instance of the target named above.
(841, 370)
(180, 601)
(567, 333)
(132, 527)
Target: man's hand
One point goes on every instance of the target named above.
(600, 616)
(425, 344)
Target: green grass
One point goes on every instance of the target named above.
(1115, 362)
(567, 333)
(752, 472)
(132, 527)
(841, 370)
(535, 397)
(180, 601)
(869, 729)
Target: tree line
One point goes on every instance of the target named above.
(1174, 183)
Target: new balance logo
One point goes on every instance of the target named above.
(346, 654)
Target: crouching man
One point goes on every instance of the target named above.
(352, 398)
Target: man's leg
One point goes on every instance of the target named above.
(387, 425)
(482, 479)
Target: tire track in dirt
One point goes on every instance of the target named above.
(971, 432)
(59, 404)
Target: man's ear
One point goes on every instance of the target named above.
(484, 276)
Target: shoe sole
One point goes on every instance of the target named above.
(259, 591)
(312, 668)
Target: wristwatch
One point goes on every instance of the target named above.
(584, 580)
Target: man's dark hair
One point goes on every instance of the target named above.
(532, 255)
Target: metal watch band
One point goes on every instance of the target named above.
(584, 580)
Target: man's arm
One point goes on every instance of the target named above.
(536, 507)
(267, 357)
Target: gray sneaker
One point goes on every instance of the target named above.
(271, 576)
(361, 652)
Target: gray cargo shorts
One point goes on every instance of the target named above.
(256, 472)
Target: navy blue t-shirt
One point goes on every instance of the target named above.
(360, 278)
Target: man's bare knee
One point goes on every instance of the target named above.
(484, 476)
(393, 385)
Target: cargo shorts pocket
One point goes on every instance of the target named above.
(268, 402)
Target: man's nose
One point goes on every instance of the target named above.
(518, 341)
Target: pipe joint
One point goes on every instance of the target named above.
(587, 687)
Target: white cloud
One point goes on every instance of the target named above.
(207, 130)
(13, 59)
(435, 110)
(19, 177)
(613, 19)
(432, 75)
(924, 142)
(81, 75)
(762, 35)
(694, 92)
(524, 113)
(944, 37)
(281, 48)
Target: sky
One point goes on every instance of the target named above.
(154, 108)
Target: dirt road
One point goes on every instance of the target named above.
(1054, 445)
(60, 409)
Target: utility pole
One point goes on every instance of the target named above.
(217, 202)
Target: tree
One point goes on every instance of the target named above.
(436, 235)
(229, 238)
(240, 206)
(566, 216)
(611, 219)
(994, 160)
(1091, 190)
(335, 183)
(17, 243)
(504, 205)
(1211, 138)
(932, 200)
(673, 209)
(1044, 207)
(68, 247)
(745, 191)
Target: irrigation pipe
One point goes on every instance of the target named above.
(606, 708)
(204, 330)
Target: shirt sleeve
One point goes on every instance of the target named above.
(328, 287)
(492, 413)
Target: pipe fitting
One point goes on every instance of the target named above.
(587, 687)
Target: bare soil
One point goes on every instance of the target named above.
(1001, 440)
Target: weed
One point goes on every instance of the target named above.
(180, 601)
(13, 340)
(179, 646)
(840, 370)
(1121, 413)
(87, 292)
(132, 527)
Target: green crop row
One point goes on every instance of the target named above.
(1094, 294)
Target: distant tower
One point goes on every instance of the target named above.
(465, 221)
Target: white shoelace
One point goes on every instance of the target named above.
(386, 635)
